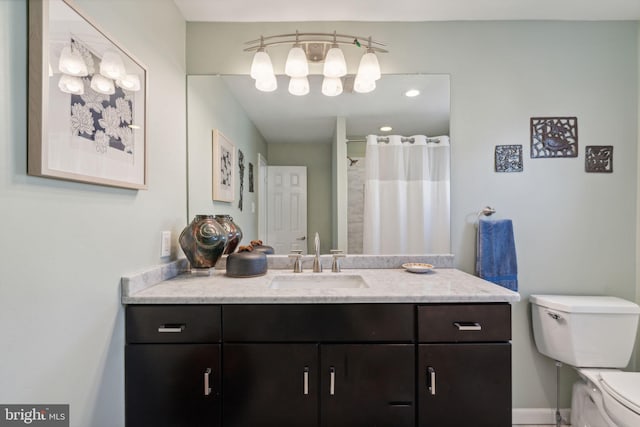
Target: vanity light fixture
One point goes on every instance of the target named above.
(102, 85)
(129, 82)
(112, 66)
(386, 129)
(71, 84)
(315, 48)
(411, 93)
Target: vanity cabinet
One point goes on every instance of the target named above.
(319, 365)
(172, 366)
(464, 365)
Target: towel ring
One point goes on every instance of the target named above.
(486, 211)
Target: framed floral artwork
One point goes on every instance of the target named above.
(87, 101)
(224, 160)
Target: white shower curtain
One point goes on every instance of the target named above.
(406, 195)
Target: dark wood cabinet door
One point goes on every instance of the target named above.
(270, 385)
(165, 385)
(464, 384)
(367, 385)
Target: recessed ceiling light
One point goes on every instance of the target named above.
(386, 128)
(412, 92)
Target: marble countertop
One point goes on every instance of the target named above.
(390, 285)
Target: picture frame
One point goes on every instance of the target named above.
(87, 113)
(224, 164)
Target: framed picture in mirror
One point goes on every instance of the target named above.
(224, 161)
(87, 101)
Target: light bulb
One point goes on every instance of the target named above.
(299, 86)
(129, 82)
(261, 67)
(296, 65)
(267, 84)
(71, 63)
(369, 68)
(331, 86)
(362, 85)
(102, 85)
(334, 63)
(71, 84)
(112, 66)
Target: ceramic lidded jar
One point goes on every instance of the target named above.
(234, 234)
(203, 241)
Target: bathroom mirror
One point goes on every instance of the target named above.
(326, 134)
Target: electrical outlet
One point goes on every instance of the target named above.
(165, 244)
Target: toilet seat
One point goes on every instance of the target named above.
(621, 396)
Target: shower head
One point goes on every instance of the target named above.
(352, 161)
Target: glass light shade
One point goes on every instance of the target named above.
(334, 63)
(299, 86)
(261, 67)
(369, 68)
(71, 84)
(296, 65)
(102, 85)
(71, 63)
(267, 84)
(362, 85)
(112, 66)
(129, 82)
(331, 86)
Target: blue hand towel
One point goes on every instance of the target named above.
(496, 254)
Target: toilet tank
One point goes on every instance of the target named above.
(585, 331)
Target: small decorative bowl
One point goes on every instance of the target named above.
(417, 267)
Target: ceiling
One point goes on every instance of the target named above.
(406, 10)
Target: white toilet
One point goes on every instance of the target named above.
(595, 335)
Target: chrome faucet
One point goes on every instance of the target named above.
(317, 266)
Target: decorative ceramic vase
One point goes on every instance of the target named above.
(203, 241)
(234, 234)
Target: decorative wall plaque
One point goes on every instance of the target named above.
(598, 158)
(508, 158)
(554, 137)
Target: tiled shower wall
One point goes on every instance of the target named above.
(355, 210)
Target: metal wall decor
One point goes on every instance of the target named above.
(241, 174)
(508, 158)
(598, 158)
(554, 137)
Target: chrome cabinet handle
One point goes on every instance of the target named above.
(332, 381)
(171, 328)
(305, 381)
(431, 384)
(468, 326)
(301, 238)
(207, 389)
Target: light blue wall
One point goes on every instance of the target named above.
(65, 245)
(575, 232)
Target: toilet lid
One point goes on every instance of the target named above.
(624, 387)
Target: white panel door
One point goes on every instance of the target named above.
(287, 208)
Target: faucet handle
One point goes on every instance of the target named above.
(337, 254)
(297, 263)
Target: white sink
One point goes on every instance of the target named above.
(318, 281)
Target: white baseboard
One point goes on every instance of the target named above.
(539, 416)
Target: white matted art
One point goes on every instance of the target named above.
(224, 160)
(87, 101)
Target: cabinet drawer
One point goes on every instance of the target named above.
(464, 322)
(173, 323)
(318, 322)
